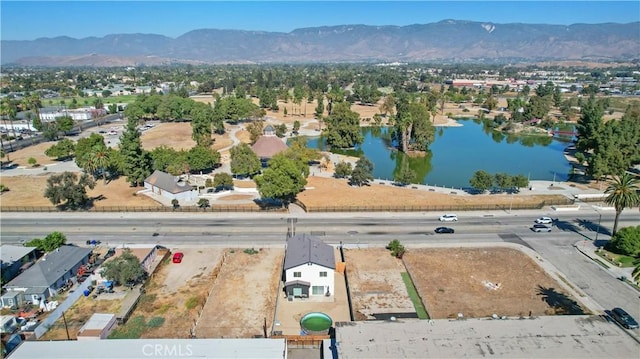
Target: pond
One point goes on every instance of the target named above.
(458, 152)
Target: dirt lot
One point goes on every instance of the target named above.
(375, 283)
(29, 191)
(460, 280)
(243, 295)
(78, 315)
(180, 137)
(343, 195)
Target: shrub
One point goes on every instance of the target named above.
(192, 302)
(155, 322)
(250, 251)
(33, 162)
(397, 249)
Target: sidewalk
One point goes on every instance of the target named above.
(588, 249)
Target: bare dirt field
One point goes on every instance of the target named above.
(21, 156)
(177, 292)
(243, 295)
(480, 282)
(342, 195)
(375, 283)
(29, 191)
(177, 135)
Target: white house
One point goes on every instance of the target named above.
(168, 186)
(99, 326)
(309, 266)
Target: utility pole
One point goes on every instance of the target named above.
(599, 221)
(64, 319)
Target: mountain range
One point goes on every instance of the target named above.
(444, 41)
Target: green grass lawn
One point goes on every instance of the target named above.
(415, 298)
(617, 259)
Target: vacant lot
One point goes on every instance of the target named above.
(243, 296)
(480, 282)
(177, 292)
(177, 135)
(29, 191)
(375, 283)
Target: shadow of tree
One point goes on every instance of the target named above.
(560, 302)
(593, 227)
(566, 226)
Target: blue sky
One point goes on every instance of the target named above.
(28, 20)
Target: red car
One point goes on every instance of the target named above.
(177, 257)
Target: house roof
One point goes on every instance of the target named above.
(268, 146)
(167, 182)
(51, 267)
(304, 249)
(10, 254)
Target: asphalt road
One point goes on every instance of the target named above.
(376, 229)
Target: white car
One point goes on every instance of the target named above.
(544, 220)
(540, 228)
(448, 218)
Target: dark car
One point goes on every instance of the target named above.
(444, 230)
(624, 318)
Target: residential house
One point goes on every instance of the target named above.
(169, 187)
(268, 145)
(309, 266)
(99, 326)
(14, 259)
(50, 273)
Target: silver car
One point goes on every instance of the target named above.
(541, 228)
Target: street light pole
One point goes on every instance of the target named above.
(598, 229)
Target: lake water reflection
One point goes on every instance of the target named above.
(458, 152)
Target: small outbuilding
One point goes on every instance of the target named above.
(99, 326)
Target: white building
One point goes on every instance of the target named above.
(169, 187)
(77, 114)
(309, 266)
(99, 326)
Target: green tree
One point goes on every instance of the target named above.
(244, 162)
(255, 129)
(203, 158)
(520, 181)
(281, 130)
(223, 181)
(32, 161)
(363, 172)
(203, 203)
(481, 180)
(343, 170)
(99, 159)
(201, 123)
(626, 241)
(319, 108)
(622, 193)
(504, 181)
(136, 161)
(162, 157)
(343, 127)
(412, 128)
(84, 147)
(64, 123)
(61, 150)
(296, 126)
(123, 269)
(283, 179)
(49, 243)
(67, 190)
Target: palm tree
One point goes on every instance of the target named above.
(99, 159)
(622, 193)
(636, 273)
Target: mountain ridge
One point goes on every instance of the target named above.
(444, 41)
